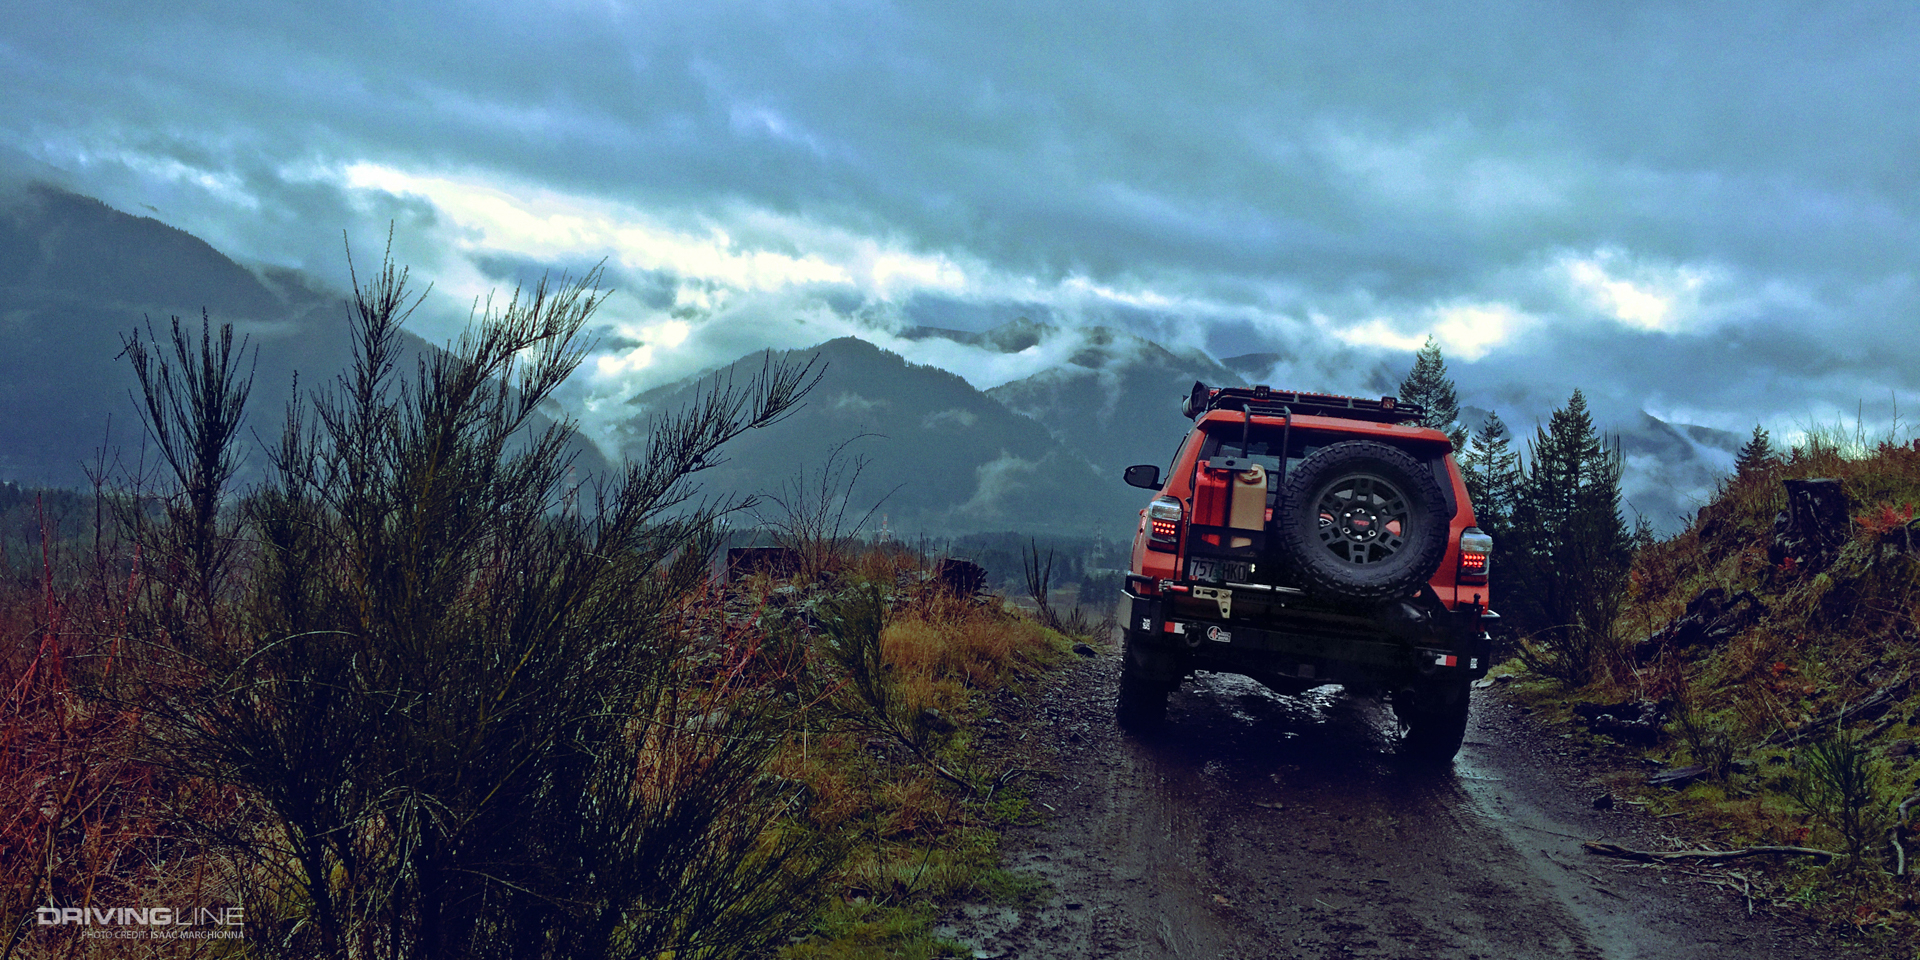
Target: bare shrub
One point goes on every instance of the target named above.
(813, 518)
(1709, 742)
(1039, 577)
(465, 709)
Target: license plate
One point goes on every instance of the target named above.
(1216, 571)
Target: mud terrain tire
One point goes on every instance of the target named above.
(1436, 722)
(1142, 704)
(1363, 522)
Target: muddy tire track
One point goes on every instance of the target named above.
(1263, 826)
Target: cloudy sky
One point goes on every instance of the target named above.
(1707, 211)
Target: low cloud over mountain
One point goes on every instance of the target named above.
(1707, 212)
(77, 277)
(935, 455)
(1116, 401)
(1039, 449)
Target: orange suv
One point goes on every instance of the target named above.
(1302, 539)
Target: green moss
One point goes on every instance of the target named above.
(863, 930)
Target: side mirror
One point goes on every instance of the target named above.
(1143, 475)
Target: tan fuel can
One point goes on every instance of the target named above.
(1247, 502)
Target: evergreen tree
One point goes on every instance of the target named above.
(1643, 536)
(1756, 453)
(1573, 546)
(1491, 469)
(1428, 385)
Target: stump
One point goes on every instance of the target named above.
(963, 577)
(1814, 525)
(777, 562)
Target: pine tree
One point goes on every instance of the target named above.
(1573, 546)
(1491, 469)
(1428, 385)
(1756, 453)
(1643, 536)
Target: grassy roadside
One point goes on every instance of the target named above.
(412, 694)
(1783, 696)
(918, 751)
(905, 733)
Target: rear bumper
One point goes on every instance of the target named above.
(1405, 644)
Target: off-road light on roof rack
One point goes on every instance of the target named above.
(1263, 400)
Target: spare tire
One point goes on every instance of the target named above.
(1362, 522)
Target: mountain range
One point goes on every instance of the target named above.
(77, 278)
(934, 455)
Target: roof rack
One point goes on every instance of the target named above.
(1267, 402)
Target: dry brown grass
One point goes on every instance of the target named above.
(913, 788)
(822, 762)
(85, 821)
(945, 649)
(917, 806)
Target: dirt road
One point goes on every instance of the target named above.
(1262, 826)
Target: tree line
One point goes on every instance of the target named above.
(1562, 548)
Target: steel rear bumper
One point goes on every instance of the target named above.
(1310, 644)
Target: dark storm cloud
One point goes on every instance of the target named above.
(1245, 177)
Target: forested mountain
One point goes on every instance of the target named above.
(77, 277)
(945, 457)
(1116, 401)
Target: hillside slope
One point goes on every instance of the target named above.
(946, 458)
(1777, 643)
(77, 276)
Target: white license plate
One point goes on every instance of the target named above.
(1216, 571)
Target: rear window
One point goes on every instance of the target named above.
(1261, 446)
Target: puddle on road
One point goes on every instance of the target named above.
(1246, 700)
(1230, 729)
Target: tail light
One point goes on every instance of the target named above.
(1476, 554)
(1163, 521)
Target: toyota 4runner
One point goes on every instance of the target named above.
(1302, 539)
